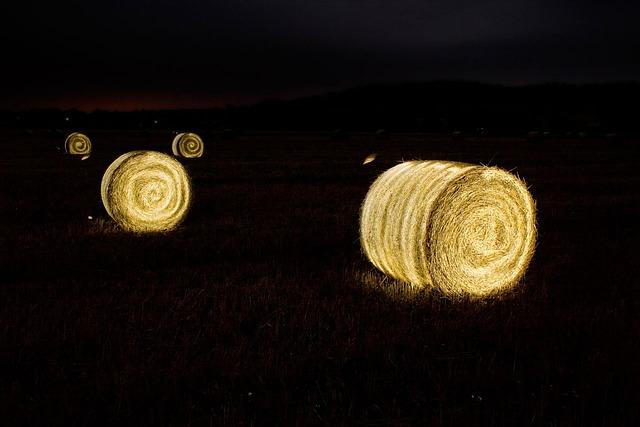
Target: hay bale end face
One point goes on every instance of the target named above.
(146, 191)
(78, 144)
(188, 145)
(467, 230)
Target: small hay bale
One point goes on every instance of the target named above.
(146, 191)
(188, 145)
(78, 144)
(370, 158)
(467, 230)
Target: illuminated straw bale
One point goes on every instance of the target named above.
(465, 229)
(188, 145)
(78, 144)
(146, 191)
(370, 158)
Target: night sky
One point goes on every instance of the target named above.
(135, 54)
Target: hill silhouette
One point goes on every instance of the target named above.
(438, 107)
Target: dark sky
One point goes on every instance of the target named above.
(132, 54)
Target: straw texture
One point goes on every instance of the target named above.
(146, 191)
(465, 229)
(188, 145)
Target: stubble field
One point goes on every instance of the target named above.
(261, 309)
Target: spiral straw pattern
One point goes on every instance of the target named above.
(146, 191)
(188, 145)
(465, 229)
(78, 144)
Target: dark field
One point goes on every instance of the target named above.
(261, 308)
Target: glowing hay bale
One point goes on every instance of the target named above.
(370, 158)
(465, 229)
(188, 145)
(146, 191)
(78, 144)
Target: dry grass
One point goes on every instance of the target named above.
(261, 310)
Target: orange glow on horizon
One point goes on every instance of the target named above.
(131, 102)
(151, 100)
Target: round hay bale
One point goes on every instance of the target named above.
(146, 191)
(370, 158)
(188, 145)
(78, 144)
(465, 229)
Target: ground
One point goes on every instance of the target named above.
(261, 309)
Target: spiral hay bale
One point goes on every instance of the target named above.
(465, 229)
(188, 145)
(146, 191)
(78, 144)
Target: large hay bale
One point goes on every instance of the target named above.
(146, 191)
(78, 144)
(188, 145)
(465, 229)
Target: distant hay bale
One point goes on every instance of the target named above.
(370, 158)
(465, 229)
(78, 144)
(188, 145)
(146, 191)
